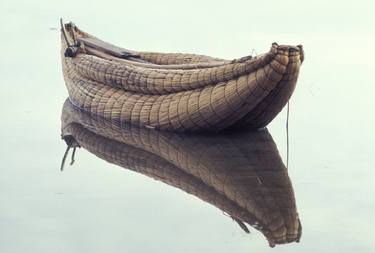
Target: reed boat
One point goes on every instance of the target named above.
(240, 173)
(174, 91)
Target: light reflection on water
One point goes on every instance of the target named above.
(240, 173)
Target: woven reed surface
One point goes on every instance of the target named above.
(176, 58)
(244, 91)
(242, 174)
(160, 58)
(157, 168)
(273, 103)
(144, 78)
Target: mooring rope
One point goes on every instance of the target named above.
(287, 136)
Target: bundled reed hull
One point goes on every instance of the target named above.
(177, 92)
(240, 173)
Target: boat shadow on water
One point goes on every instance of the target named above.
(241, 173)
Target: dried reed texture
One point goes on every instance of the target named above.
(240, 173)
(273, 103)
(188, 93)
(156, 58)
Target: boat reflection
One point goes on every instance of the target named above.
(240, 173)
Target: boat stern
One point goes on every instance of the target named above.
(291, 59)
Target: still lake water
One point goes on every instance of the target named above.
(95, 206)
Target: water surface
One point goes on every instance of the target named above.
(96, 206)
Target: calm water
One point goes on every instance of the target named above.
(100, 207)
